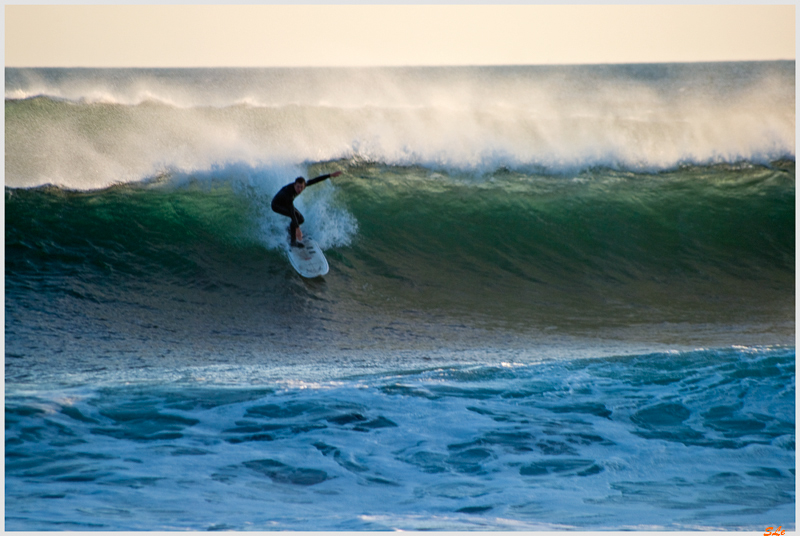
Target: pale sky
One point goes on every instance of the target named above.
(392, 35)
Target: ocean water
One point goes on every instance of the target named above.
(559, 298)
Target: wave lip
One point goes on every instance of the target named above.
(91, 128)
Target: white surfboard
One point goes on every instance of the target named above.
(309, 260)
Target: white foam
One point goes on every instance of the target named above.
(453, 460)
(477, 120)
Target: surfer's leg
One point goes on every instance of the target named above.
(286, 211)
(293, 227)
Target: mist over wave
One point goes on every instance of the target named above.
(86, 129)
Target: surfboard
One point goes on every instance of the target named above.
(308, 261)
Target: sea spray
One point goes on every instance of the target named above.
(101, 127)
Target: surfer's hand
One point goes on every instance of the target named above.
(336, 174)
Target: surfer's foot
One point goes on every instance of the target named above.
(296, 244)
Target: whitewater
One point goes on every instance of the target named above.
(559, 298)
(102, 127)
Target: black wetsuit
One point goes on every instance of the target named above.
(283, 203)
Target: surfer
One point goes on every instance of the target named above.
(283, 203)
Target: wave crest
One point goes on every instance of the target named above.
(92, 128)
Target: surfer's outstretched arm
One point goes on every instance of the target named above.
(322, 178)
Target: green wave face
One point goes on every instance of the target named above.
(599, 250)
(604, 243)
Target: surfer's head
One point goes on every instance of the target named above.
(299, 184)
